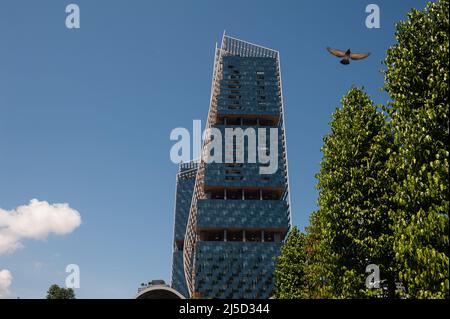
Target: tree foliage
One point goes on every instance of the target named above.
(57, 292)
(354, 198)
(417, 81)
(289, 271)
(383, 182)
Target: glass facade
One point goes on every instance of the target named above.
(242, 214)
(237, 216)
(228, 270)
(184, 188)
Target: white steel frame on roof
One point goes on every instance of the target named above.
(236, 47)
(242, 48)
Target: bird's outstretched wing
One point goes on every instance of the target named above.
(336, 52)
(359, 56)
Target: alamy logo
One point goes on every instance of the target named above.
(73, 279)
(73, 17)
(259, 144)
(373, 19)
(373, 279)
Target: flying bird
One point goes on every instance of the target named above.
(347, 55)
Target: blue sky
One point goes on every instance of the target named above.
(85, 117)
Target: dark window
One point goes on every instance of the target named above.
(234, 235)
(233, 121)
(179, 245)
(264, 122)
(217, 194)
(234, 194)
(212, 236)
(234, 178)
(252, 235)
(251, 194)
(269, 236)
(249, 122)
(270, 195)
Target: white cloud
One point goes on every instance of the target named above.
(36, 220)
(5, 282)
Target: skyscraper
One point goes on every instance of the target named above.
(239, 212)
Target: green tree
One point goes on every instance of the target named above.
(56, 292)
(417, 80)
(352, 228)
(289, 271)
(318, 266)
